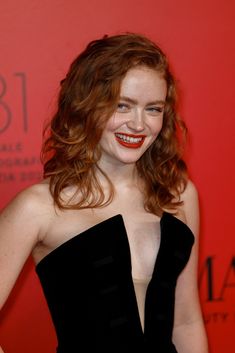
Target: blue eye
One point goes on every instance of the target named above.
(155, 109)
(123, 107)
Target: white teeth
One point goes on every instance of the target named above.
(129, 139)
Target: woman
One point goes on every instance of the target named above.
(113, 227)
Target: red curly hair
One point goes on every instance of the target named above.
(88, 97)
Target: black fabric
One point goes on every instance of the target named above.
(88, 286)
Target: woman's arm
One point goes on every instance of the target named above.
(19, 230)
(189, 334)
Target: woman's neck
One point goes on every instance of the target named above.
(119, 174)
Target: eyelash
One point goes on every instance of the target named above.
(156, 109)
(122, 106)
(126, 107)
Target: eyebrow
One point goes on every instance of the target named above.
(133, 101)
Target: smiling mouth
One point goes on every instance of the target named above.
(130, 141)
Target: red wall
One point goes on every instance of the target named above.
(38, 41)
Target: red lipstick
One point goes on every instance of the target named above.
(130, 140)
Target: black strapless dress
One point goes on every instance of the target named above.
(87, 282)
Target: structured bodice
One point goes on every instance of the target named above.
(87, 282)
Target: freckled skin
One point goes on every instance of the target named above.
(139, 113)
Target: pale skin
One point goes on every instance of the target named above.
(30, 224)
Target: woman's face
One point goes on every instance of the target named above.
(138, 118)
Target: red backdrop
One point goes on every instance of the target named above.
(39, 39)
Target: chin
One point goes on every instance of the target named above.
(129, 160)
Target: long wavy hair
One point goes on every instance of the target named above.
(88, 97)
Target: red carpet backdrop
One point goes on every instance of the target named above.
(38, 40)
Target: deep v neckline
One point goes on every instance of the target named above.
(88, 278)
(93, 228)
(142, 329)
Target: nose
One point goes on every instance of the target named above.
(136, 121)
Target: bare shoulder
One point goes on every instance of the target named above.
(30, 198)
(22, 222)
(30, 205)
(190, 207)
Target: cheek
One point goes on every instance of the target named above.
(116, 121)
(111, 123)
(156, 127)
